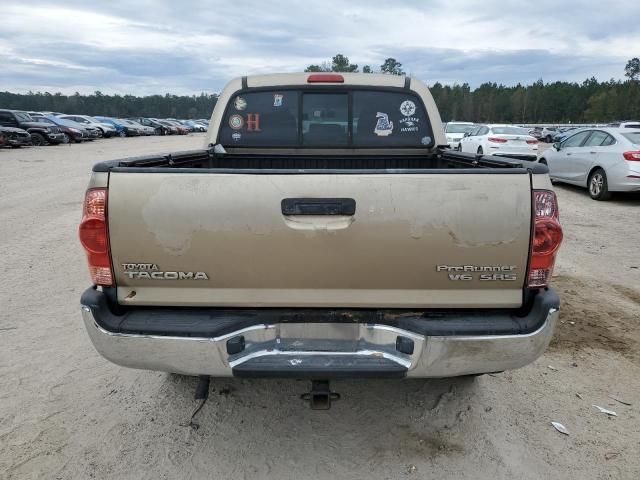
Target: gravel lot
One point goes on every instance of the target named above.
(67, 413)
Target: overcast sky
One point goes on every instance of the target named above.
(148, 46)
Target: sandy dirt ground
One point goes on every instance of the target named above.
(65, 412)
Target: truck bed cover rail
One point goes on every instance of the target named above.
(207, 160)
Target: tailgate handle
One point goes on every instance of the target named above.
(318, 206)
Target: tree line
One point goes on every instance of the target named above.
(155, 106)
(590, 101)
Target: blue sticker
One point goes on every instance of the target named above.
(383, 126)
(277, 99)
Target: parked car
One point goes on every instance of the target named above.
(454, 132)
(536, 132)
(603, 160)
(193, 126)
(625, 124)
(172, 129)
(122, 129)
(182, 130)
(141, 128)
(14, 137)
(106, 130)
(40, 134)
(158, 127)
(500, 140)
(73, 132)
(366, 263)
(547, 134)
(563, 133)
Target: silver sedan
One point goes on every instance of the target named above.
(604, 160)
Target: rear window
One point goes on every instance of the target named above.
(633, 137)
(297, 118)
(510, 130)
(458, 128)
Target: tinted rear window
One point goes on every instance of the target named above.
(328, 118)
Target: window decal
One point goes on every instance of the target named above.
(383, 126)
(240, 103)
(236, 122)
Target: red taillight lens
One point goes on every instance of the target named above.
(325, 78)
(547, 237)
(532, 142)
(632, 156)
(497, 140)
(94, 236)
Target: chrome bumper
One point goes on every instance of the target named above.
(298, 345)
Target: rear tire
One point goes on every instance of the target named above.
(597, 185)
(122, 134)
(66, 138)
(37, 140)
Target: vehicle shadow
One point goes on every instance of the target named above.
(375, 423)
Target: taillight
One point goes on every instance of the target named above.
(325, 78)
(497, 140)
(632, 156)
(547, 237)
(532, 142)
(94, 236)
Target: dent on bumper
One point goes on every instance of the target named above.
(299, 343)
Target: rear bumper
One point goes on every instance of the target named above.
(257, 345)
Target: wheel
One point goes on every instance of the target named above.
(548, 139)
(598, 187)
(37, 140)
(66, 138)
(122, 134)
(480, 151)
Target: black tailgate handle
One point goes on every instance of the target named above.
(318, 206)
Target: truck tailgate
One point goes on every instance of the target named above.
(441, 240)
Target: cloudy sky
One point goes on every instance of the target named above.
(147, 46)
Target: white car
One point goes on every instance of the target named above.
(500, 140)
(455, 131)
(604, 160)
(87, 121)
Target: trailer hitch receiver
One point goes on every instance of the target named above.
(320, 396)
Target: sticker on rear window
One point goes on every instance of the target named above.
(236, 122)
(236, 136)
(277, 100)
(240, 103)
(253, 122)
(383, 126)
(407, 108)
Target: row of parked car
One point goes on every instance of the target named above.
(604, 160)
(20, 128)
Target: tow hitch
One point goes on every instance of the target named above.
(320, 396)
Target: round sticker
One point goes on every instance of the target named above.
(407, 108)
(236, 122)
(240, 103)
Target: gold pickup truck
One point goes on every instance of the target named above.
(325, 230)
